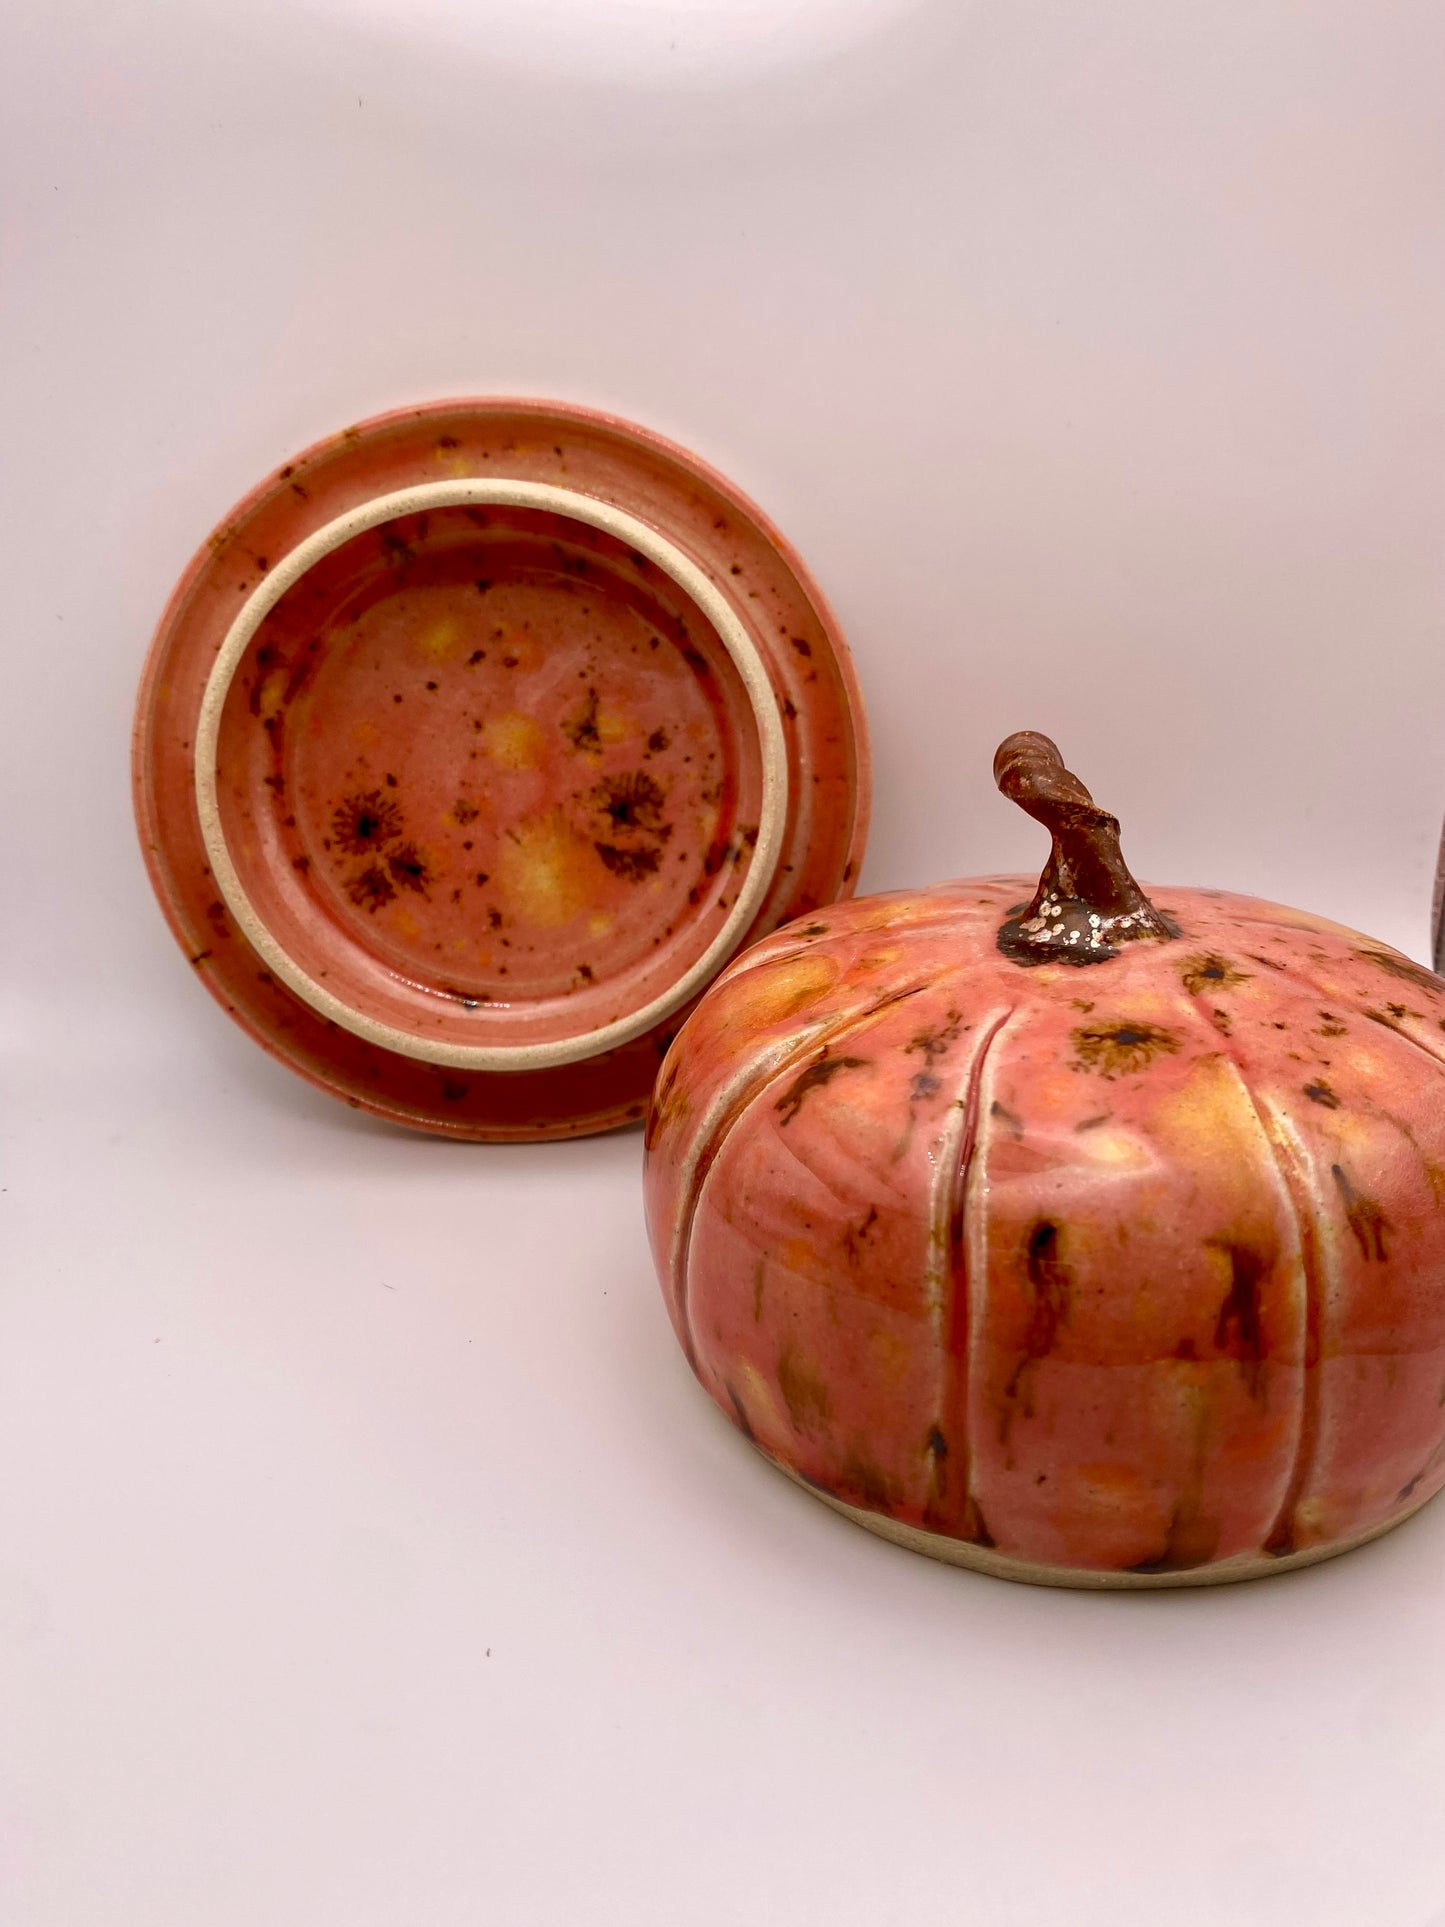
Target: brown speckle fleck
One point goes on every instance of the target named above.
(582, 730)
(633, 801)
(633, 864)
(1210, 972)
(1366, 1220)
(934, 1043)
(813, 1078)
(856, 1236)
(804, 1393)
(1049, 1309)
(408, 868)
(1237, 1330)
(1403, 968)
(371, 888)
(1122, 1049)
(863, 1481)
(363, 823)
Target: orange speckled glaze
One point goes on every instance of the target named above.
(1103, 1275)
(489, 770)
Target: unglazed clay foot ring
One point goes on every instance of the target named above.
(699, 590)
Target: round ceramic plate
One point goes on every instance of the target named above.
(474, 743)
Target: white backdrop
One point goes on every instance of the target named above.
(366, 1554)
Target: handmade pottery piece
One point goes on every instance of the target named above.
(1083, 1238)
(475, 743)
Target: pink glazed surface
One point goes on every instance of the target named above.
(1129, 1269)
(373, 881)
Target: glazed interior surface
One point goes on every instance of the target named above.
(614, 463)
(1129, 1268)
(488, 774)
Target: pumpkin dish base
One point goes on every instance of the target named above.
(486, 779)
(1024, 1572)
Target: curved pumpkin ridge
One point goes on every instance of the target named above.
(917, 1129)
(858, 920)
(1406, 1037)
(1154, 1421)
(729, 1107)
(1311, 981)
(1362, 1416)
(955, 1214)
(1292, 1162)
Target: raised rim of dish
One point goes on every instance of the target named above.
(693, 582)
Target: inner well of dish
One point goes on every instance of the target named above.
(487, 773)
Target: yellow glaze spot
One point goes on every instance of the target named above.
(1108, 1483)
(1211, 1114)
(273, 691)
(798, 1256)
(612, 725)
(514, 741)
(884, 917)
(599, 926)
(545, 871)
(770, 993)
(890, 1356)
(365, 734)
(1366, 1136)
(1367, 1064)
(1120, 1150)
(406, 923)
(765, 1415)
(441, 639)
(1316, 1520)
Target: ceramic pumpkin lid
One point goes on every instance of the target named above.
(474, 743)
(1081, 1234)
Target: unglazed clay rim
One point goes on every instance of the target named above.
(700, 591)
(1025, 1572)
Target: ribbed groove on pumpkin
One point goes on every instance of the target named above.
(1306, 980)
(1291, 1158)
(946, 916)
(950, 1507)
(1436, 1058)
(727, 1110)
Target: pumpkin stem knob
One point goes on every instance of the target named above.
(1087, 904)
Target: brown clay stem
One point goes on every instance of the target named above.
(1087, 903)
